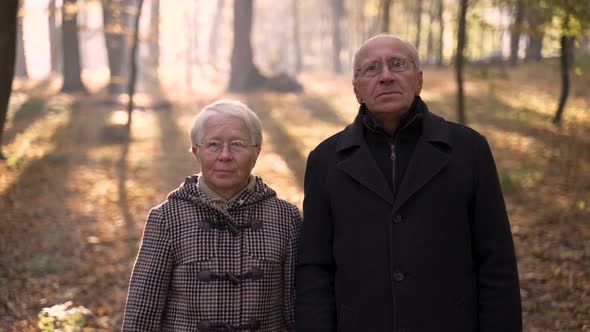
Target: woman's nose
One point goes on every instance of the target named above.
(225, 153)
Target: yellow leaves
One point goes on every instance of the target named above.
(69, 10)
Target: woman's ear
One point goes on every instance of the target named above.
(194, 150)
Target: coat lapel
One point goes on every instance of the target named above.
(426, 162)
(362, 167)
(431, 155)
(357, 162)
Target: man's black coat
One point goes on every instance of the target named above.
(438, 256)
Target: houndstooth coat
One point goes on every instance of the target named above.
(204, 268)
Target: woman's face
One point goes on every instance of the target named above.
(226, 171)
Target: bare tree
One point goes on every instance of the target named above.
(461, 42)
(296, 39)
(571, 14)
(566, 43)
(54, 37)
(441, 30)
(430, 37)
(154, 39)
(535, 19)
(8, 23)
(385, 18)
(337, 13)
(515, 31)
(418, 13)
(133, 63)
(21, 63)
(115, 18)
(244, 75)
(215, 32)
(72, 69)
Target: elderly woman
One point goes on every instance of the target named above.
(218, 255)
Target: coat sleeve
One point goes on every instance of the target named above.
(146, 299)
(289, 270)
(499, 305)
(315, 307)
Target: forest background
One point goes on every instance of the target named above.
(96, 97)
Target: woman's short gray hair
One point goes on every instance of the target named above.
(231, 108)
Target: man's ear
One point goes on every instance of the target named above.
(356, 93)
(420, 82)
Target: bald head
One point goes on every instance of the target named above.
(357, 57)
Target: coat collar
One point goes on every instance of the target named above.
(430, 156)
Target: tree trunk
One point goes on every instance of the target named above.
(385, 19)
(133, 63)
(54, 38)
(72, 81)
(363, 31)
(566, 43)
(439, 58)
(535, 22)
(337, 13)
(418, 4)
(21, 62)
(193, 28)
(430, 37)
(515, 32)
(461, 42)
(154, 44)
(8, 24)
(244, 75)
(188, 52)
(296, 38)
(215, 33)
(115, 30)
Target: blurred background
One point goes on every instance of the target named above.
(97, 96)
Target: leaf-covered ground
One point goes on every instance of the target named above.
(75, 189)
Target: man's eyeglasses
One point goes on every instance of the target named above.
(374, 68)
(235, 146)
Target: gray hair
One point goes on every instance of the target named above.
(413, 52)
(227, 107)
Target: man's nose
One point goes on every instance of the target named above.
(386, 75)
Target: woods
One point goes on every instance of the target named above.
(74, 189)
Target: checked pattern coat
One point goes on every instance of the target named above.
(204, 268)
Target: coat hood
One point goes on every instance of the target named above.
(189, 191)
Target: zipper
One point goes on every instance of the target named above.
(393, 157)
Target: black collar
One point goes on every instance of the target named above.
(434, 128)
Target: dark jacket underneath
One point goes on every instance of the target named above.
(432, 252)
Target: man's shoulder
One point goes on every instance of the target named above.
(458, 132)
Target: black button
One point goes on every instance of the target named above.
(257, 273)
(256, 224)
(397, 219)
(204, 275)
(398, 276)
(205, 224)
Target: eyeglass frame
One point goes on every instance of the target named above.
(228, 144)
(406, 68)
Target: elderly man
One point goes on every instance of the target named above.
(405, 227)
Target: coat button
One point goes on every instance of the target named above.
(398, 276)
(397, 219)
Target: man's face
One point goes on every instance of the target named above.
(389, 94)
